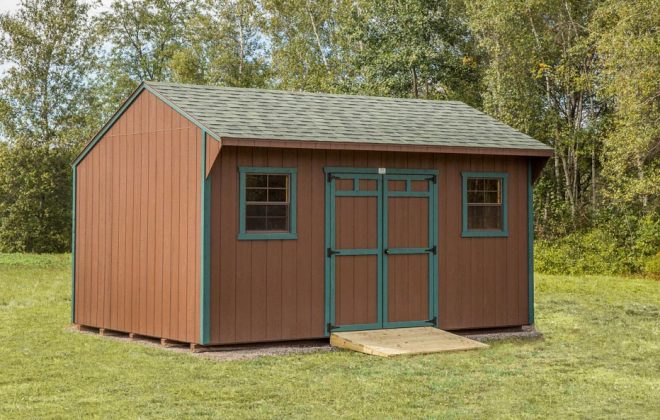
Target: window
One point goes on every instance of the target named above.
(267, 200)
(484, 204)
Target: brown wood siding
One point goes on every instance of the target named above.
(137, 221)
(274, 290)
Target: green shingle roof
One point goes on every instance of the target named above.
(280, 115)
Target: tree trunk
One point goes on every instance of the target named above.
(414, 76)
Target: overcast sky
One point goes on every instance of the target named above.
(6, 5)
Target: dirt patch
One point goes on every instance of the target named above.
(220, 353)
(528, 333)
(260, 350)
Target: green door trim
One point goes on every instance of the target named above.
(332, 252)
(333, 173)
(431, 250)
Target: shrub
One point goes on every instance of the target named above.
(652, 266)
(622, 246)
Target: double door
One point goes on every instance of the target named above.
(381, 248)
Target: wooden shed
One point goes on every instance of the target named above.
(215, 215)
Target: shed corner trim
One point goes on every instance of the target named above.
(205, 254)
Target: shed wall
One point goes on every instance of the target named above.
(274, 289)
(137, 220)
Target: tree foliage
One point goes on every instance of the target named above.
(47, 110)
(629, 45)
(579, 75)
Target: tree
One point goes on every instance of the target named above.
(310, 44)
(47, 110)
(224, 46)
(628, 42)
(144, 36)
(418, 48)
(541, 79)
(50, 48)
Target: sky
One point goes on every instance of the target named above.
(8, 5)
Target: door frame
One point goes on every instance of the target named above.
(381, 175)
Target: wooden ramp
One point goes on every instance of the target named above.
(395, 342)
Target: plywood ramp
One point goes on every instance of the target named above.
(399, 341)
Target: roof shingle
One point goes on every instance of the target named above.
(280, 115)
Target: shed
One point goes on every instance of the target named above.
(212, 215)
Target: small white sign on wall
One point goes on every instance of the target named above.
(382, 171)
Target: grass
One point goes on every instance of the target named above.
(600, 358)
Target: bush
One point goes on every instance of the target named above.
(35, 199)
(622, 246)
(652, 266)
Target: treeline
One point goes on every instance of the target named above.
(579, 75)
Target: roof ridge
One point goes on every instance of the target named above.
(304, 93)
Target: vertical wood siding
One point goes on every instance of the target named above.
(138, 225)
(274, 290)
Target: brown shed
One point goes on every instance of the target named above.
(221, 215)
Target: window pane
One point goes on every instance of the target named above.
(277, 181)
(277, 211)
(255, 223)
(491, 184)
(256, 180)
(492, 197)
(255, 210)
(277, 195)
(475, 184)
(475, 217)
(256, 194)
(492, 217)
(485, 217)
(475, 197)
(276, 223)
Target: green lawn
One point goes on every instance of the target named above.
(600, 358)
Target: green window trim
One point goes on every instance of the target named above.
(473, 233)
(242, 232)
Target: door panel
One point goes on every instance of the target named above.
(408, 242)
(356, 287)
(356, 220)
(407, 288)
(354, 251)
(408, 222)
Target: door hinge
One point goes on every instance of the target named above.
(433, 249)
(331, 177)
(432, 178)
(433, 320)
(331, 327)
(332, 252)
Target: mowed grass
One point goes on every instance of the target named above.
(600, 358)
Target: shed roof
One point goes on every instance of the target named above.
(280, 115)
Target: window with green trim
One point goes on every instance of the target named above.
(267, 201)
(484, 210)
